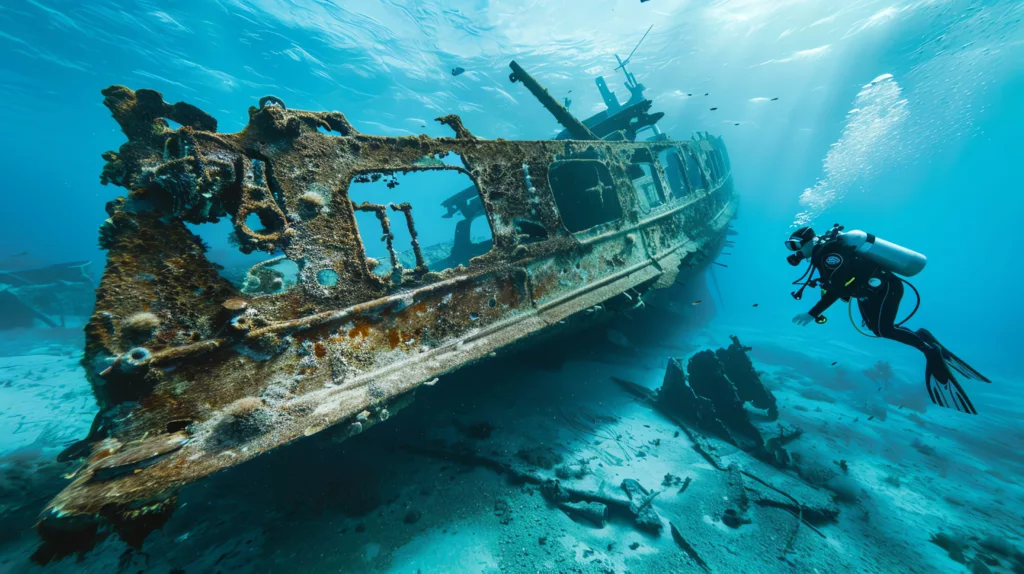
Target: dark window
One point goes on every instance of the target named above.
(694, 175)
(647, 185)
(445, 207)
(584, 192)
(673, 167)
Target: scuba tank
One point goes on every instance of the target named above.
(889, 256)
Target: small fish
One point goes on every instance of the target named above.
(871, 418)
(457, 71)
(713, 109)
(834, 363)
(705, 94)
(755, 304)
(688, 95)
(735, 124)
(22, 254)
(697, 302)
(774, 99)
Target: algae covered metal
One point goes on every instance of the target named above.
(195, 373)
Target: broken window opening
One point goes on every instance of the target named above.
(647, 186)
(424, 221)
(327, 131)
(584, 193)
(252, 221)
(222, 250)
(673, 166)
(270, 277)
(439, 160)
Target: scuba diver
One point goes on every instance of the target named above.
(859, 265)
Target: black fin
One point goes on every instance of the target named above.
(962, 367)
(951, 359)
(948, 394)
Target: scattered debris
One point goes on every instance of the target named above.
(573, 471)
(593, 512)
(697, 302)
(737, 512)
(686, 484)
(640, 505)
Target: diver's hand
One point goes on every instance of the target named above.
(803, 319)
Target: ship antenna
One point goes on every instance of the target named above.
(622, 63)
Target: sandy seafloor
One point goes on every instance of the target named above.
(368, 505)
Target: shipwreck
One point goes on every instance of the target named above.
(195, 373)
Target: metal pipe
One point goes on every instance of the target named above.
(569, 121)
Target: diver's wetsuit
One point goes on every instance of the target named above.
(844, 274)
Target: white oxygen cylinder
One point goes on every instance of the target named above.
(891, 257)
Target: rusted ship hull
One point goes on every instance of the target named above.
(193, 375)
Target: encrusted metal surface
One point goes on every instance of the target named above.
(215, 376)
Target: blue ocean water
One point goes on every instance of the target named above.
(898, 117)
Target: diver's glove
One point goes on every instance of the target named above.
(803, 319)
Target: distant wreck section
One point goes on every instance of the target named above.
(45, 296)
(195, 373)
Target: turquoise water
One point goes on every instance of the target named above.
(898, 117)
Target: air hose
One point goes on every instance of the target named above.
(917, 305)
